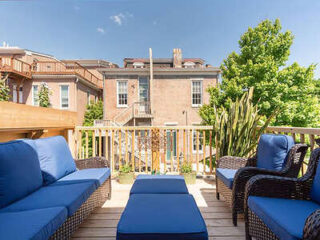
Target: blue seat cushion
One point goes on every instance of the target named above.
(226, 176)
(38, 224)
(273, 150)
(55, 158)
(285, 217)
(158, 185)
(20, 172)
(98, 175)
(161, 216)
(70, 196)
(315, 189)
(147, 176)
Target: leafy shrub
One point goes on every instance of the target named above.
(125, 168)
(186, 168)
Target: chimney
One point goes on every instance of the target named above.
(177, 58)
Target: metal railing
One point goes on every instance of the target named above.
(135, 110)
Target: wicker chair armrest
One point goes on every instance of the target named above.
(94, 162)
(311, 230)
(231, 162)
(277, 187)
(242, 177)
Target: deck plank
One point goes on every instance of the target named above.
(103, 222)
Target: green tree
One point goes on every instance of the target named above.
(4, 89)
(94, 111)
(44, 95)
(261, 63)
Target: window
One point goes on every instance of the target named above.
(122, 98)
(14, 94)
(194, 141)
(64, 96)
(35, 95)
(196, 92)
(88, 98)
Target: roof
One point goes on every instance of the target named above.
(162, 60)
(91, 62)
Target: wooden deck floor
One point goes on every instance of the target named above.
(103, 222)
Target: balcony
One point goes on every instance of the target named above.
(16, 67)
(59, 68)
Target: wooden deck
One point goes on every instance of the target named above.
(103, 222)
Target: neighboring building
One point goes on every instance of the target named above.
(73, 83)
(169, 93)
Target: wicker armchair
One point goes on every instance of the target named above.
(97, 199)
(246, 170)
(284, 188)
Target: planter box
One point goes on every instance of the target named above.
(190, 178)
(126, 178)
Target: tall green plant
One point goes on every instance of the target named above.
(239, 127)
(44, 95)
(4, 89)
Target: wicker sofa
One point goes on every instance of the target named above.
(44, 192)
(284, 208)
(232, 173)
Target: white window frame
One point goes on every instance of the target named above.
(201, 92)
(194, 143)
(14, 93)
(33, 103)
(122, 105)
(64, 85)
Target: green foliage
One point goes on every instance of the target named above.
(94, 111)
(126, 168)
(261, 63)
(44, 95)
(236, 128)
(4, 90)
(186, 168)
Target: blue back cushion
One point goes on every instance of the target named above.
(273, 150)
(55, 158)
(20, 172)
(315, 189)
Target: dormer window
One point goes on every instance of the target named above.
(189, 64)
(138, 65)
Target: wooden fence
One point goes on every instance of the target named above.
(164, 148)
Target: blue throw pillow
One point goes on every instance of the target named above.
(55, 158)
(20, 172)
(273, 150)
(315, 189)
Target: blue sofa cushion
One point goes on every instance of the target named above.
(273, 150)
(226, 176)
(147, 176)
(98, 175)
(315, 189)
(70, 196)
(285, 217)
(20, 172)
(55, 158)
(161, 216)
(38, 224)
(156, 185)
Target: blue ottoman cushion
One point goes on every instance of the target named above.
(273, 150)
(161, 216)
(20, 172)
(38, 224)
(226, 176)
(315, 189)
(98, 175)
(156, 185)
(285, 217)
(70, 196)
(55, 158)
(147, 176)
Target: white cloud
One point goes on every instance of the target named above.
(101, 30)
(120, 18)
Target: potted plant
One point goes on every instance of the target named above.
(188, 174)
(126, 175)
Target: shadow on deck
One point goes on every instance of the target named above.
(103, 222)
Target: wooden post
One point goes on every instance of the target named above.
(210, 144)
(126, 145)
(112, 151)
(139, 149)
(178, 155)
(184, 146)
(132, 149)
(93, 143)
(87, 143)
(204, 151)
(198, 143)
(100, 143)
(171, 150)
(190, 146)
(120, 150)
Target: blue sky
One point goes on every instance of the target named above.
(115, 29)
